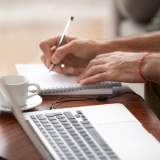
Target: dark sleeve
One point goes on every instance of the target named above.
(138, 10)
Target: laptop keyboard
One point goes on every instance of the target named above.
(71, 138)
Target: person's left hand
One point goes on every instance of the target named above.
(116, 66)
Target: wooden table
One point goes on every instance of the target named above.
(15, 145)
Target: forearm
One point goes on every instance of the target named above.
(150, 67)
(138, 43)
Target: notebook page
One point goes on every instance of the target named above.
(39, 73)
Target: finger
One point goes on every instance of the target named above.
(101, 77)
(43, 59)
(55, 41)
(53, 49)
(46, 48)
(92, 64)
(47, 52)
(64, 50)
(68, 70)
(92, 71)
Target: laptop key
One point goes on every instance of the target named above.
(95, 148)
(49, 128)
(70, 143)
(73, 134)
(46, 124)
(87, 126)
(73, 146)
(84, 118)
(112, 156)
(45, 134)
(96, 136)
(69, 115)
(68, 126)
(75, 150)
(35, 120)
(64, 135)
(78, 127)
(87, 138)
(81, 131)
(56, 138)
(60, 116)
(59, 128)
(85, 122)
(76, 137)
(78, 140)
(62, 146)
(42, 130)
(65, 123)
(79, 112)
(40, 127)
(40, 116)
(81, 144)
(44, 121)
(62, 132)
(87, 152)
(75, 124)
(63, 120)
(53, 114)
(38, 124)
(89, 141)
(51, 131)
(51, 118)
(57, 125)
(59, 142)
(70, 130)
(77, 115)
(54, 121)
(54, 135)
(110, 152)
(64, 149)
(33, 117)
(48, 138)
(73, 120)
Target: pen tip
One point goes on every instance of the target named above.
(72, 18)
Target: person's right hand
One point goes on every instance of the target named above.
(75, 54)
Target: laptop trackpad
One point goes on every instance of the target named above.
(124, 132)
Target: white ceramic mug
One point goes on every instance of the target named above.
(17, 85)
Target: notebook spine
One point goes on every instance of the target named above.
(77, 87)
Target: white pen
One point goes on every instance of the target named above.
(63, 37)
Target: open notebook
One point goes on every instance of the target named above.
(57, 84)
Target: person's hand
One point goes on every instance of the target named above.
(75, 54)
(116, 66)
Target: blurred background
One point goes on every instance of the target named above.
(25, 23)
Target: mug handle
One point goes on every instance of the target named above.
(38, 89)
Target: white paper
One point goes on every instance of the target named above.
(38, 73)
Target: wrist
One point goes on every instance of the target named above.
(106, 46)
(112, 45)
(150, 67)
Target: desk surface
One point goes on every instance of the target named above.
(14, 143)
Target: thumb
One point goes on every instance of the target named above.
(63, 51)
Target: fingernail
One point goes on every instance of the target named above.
(81, 81)
(77, 79)
(55, 59)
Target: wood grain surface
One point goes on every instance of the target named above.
(15, 145)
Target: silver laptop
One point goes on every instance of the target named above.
(101, 132)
